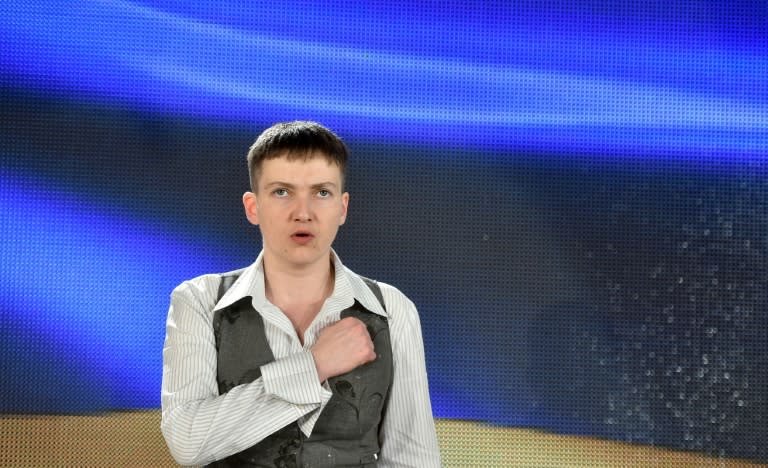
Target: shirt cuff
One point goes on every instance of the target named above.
(295, 380)
(307, 423)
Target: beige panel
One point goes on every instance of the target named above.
(133, 439)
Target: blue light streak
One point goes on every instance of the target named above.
(88, 286)
(544, 83)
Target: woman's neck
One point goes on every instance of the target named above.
(299, 294)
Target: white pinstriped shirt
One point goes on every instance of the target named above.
(201, 426)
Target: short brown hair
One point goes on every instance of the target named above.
(296, 140)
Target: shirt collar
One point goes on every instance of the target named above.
(348, 287)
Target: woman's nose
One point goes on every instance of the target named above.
(302, 211)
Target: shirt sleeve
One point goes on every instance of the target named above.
(201, 426)
(408, 436)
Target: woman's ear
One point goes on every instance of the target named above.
(251, 206)
(344, 207)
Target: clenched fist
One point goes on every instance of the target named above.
(341, 347)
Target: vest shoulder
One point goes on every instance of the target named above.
(208, 277)
(391, 291)
(204, 283)
(396, 302)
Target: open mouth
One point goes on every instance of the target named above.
(302, 237)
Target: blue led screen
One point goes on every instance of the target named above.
(575, 196)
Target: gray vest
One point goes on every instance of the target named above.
(347, 431)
